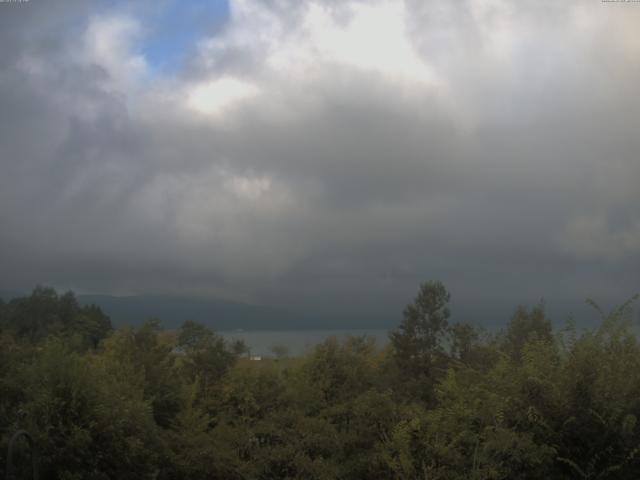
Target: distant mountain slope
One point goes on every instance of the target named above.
(7, 295)
(172, 311)
(227, 315)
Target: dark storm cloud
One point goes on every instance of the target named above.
(507, 167)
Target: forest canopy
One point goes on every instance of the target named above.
(443, 400)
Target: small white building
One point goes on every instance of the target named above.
(255, 358)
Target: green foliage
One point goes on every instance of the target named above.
(149, 364)
(280, 351)
(524, 327)
(87, 422)
(418, 342)
(45, 313)
(205, 357)
(441, 402)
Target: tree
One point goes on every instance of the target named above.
(194, 335)
(525, 327)
(140, 353)
(280, 351)
(206, 356)
(464, 340)
(239, 348)
(417, 343)
(92, 324)
(46, 313)
(88, 422)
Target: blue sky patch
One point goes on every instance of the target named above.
(174, 29)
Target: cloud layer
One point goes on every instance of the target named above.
(324, 155)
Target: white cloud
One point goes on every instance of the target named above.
(214, 97)
(109, 42)
(311, 46)
(374, 38)
(249, 187)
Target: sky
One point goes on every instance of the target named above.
(322, 155)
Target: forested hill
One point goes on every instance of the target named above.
(217, 314)
(224, 315)
(227, 315)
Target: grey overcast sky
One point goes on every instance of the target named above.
(321, 154)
